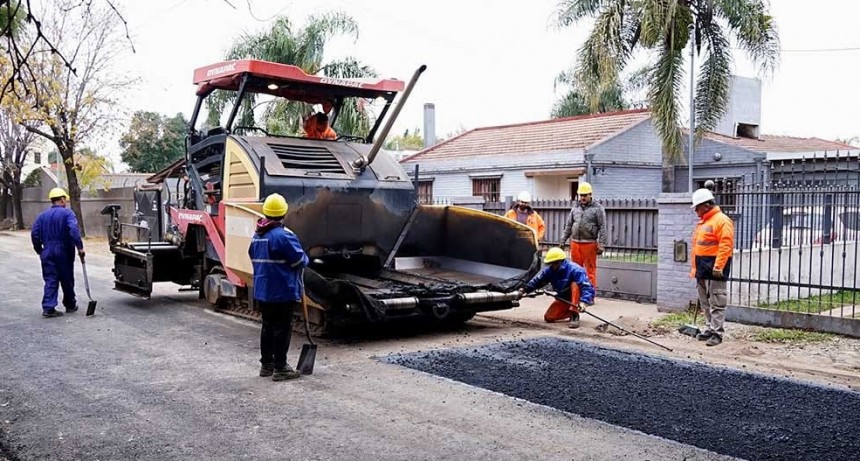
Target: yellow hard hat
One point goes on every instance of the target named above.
(57, 192)
(554, 254)
(275, 206)
(584, 188)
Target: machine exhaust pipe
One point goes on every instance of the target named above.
(362, 162)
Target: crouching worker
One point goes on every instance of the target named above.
(569, 281)
(278, 260)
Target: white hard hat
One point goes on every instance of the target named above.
(701, 196)
(524, 197)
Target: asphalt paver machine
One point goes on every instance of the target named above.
(376, 253)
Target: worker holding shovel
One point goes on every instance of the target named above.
(278, 260)
(55, 236)
(569, 280)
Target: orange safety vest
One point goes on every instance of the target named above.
(311, 132)
(713, 245)
(533, 220)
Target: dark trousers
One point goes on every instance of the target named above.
(276, 332)
(58, 271)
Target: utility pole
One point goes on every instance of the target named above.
(692, 111)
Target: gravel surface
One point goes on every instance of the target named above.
(734, 413)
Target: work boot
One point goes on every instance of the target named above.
(51, 313)
(705, 335)
(715, 340)
(74, 308)
(283, 374)
(266, 371)
(574, 320)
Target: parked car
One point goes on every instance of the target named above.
(806, 226)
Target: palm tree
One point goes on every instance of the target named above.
(664, 28)
(574, 102)
(302, 47)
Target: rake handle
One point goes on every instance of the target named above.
(556, 296)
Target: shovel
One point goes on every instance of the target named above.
(309, 351)
(691, 330)
(91, 306)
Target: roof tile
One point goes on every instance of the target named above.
(544, 136)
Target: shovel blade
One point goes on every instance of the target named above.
(91, 308)
(689, 330)
(306, 359)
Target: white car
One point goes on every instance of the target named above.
(806, 226)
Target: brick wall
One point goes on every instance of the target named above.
(675, 288)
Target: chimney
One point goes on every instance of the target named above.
(429, 124)
(743, 114)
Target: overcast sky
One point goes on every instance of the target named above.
(489, 62)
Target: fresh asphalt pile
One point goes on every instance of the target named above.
(730, 412)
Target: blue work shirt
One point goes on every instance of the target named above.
(278, 260)
(568, 272)
(55, 233)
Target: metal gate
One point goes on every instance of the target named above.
(628, 268)
(796, 258)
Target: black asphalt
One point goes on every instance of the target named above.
(729, 412)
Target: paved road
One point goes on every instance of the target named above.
(166, 379)
(742, 414)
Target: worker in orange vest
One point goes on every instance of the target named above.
(713, 246)
(316, 127)
(523, 213)
(586, 228)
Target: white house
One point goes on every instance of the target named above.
(617, 152)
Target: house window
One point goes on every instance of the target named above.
(726, 190)
(488, 188)
(37, 158)
(574, 186)
(425, 192)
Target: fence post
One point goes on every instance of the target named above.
(676, 222)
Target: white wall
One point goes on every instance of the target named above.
(808, 264)
(552, 187)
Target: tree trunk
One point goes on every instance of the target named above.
(668, 178)
(4, 203)
(74, 187)
(18, 209)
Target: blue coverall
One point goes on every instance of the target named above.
(55, 235)
(278, 260)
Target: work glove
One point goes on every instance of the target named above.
(718, 273)
(600, 249)
(520, 293)
(81, 254)
(583, 305)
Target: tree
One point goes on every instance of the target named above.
(303, 47)
(69, 107)
(91, 168)
(153, 141)
(574, 101)
(15, 140)
(664, 28)
(852, 141)
(19, 48)
(406, 141)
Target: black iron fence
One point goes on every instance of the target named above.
(631, 225)
(796, 244)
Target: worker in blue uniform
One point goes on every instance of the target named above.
(55, 236)
(278, 260)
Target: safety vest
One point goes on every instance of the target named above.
(533, 220)
(713, 245)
